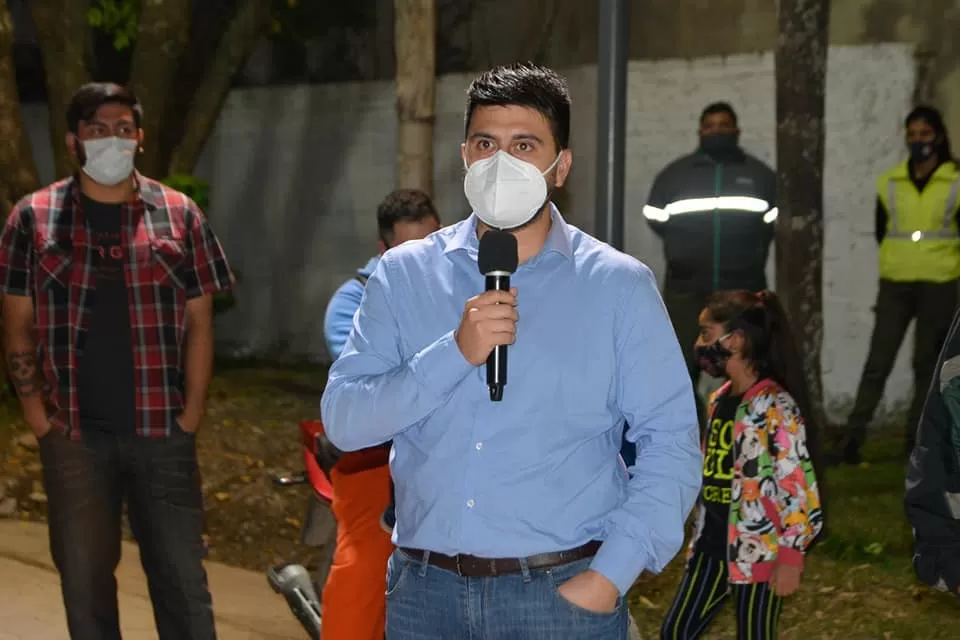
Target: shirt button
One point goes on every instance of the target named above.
(470, 503)
(479, 446)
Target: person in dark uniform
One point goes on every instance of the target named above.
(933, 476)
(714, 210)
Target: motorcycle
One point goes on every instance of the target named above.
(293, 581)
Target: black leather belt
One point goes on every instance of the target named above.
(473, 567)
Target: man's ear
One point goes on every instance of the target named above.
(563, 166)
(75, 148)
(140, 140)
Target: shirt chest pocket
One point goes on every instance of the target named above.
(162, 262)
(169, 259)
(54, 269)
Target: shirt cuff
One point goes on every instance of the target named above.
(620, 560)
(441, 366)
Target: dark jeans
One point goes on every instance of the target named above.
(87, 483)
(427, 603)
(898, 303)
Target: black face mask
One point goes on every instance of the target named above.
(712, 358)
(720, 143)
(921, 151)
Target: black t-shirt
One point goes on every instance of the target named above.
(105, 372)
(717, 477)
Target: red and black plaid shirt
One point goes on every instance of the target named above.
(173, 256)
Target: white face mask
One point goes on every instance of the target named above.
(505, 192)
(109, 160)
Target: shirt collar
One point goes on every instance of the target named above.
(558, 239)
(141, 187)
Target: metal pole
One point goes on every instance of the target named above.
(614, 18)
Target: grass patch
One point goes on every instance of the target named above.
(858, 583)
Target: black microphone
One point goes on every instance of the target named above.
(497, 258)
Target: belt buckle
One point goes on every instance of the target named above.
(459, 570)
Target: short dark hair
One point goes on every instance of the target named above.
(719, 107)
(524, 84)
(403, 205)
(91, 96)
(932, 117)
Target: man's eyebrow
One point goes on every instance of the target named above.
(520, 136)
(528, 136)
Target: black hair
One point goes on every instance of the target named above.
(769, 346)
(403, 205)
(524, 84)
(91, 96)
(719, 107)
(933, 118)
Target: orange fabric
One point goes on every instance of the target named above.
(354, 606)
(355, 461)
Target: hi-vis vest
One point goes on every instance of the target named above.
(922, 242)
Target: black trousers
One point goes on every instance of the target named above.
(932, 305)
(87, 483)
(703, 592)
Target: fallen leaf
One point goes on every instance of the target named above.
(222, 496)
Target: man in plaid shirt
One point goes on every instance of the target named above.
(107, 280)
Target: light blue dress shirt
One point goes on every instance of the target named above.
(539, 471)
(343, 305)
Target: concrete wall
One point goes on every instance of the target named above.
(297, 174)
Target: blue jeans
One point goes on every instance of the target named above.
(427, 603)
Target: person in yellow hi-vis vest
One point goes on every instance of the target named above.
(917, 230)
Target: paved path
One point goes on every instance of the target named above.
(31, 607)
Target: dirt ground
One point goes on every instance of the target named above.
(249, 435)
(858, 584)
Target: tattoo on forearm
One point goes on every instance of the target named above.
(23, 373)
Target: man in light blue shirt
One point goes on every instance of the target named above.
(404, 215)
(518, 519)
(353, 602)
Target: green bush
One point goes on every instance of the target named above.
(196, 188)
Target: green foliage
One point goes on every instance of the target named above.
(297, 20)
(304, 20)
(197, 189)
(117, 18)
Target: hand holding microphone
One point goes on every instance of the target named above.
(489, 320)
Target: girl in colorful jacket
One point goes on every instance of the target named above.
(759, 508)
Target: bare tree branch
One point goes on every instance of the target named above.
(415, 42)
(248, 27)
(162, 35)
(801, 65)
(18, 172)
(63, 34)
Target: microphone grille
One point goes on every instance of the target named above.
(498, 252)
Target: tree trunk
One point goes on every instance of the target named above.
(801, 64)
(162, 35)
(251, 23)
(63, 34)
(18, 172)
(415, 30)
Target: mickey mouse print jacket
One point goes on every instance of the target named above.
(775, 508)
